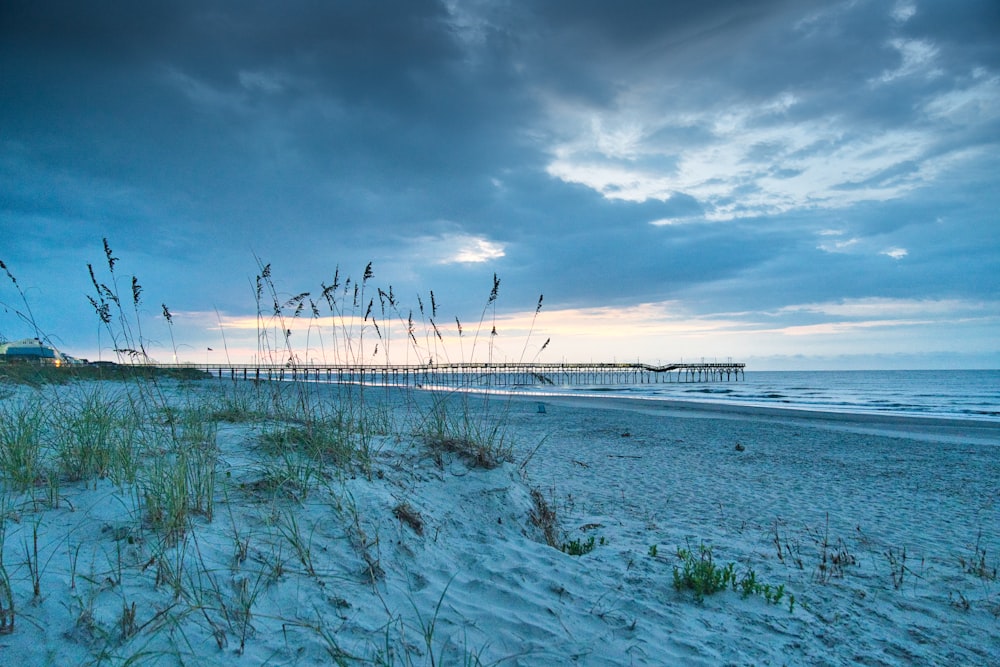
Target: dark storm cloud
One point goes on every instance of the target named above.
(588, 48)
(250, 115)
(349, 42)
(214, 77)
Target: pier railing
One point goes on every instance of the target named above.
(483, 374)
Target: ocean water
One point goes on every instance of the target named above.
(973, 394)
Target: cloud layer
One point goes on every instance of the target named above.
(719, 156)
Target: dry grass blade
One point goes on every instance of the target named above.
(411, 517)
(544, 517)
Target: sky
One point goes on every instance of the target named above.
(793, 184)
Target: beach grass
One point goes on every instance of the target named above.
(23, 434)
(454, 424)
(148, 441)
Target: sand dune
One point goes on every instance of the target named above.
(426, 558)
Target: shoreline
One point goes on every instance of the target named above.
(921, 427)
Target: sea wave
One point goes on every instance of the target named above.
(944, 394)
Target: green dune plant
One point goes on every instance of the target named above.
(179, 484)
(323, 439)
(289, 474)
(579, 548)
(237, 403)
(95, 436)
(24, 427)
(25, 314)
(701, 574)
(290, 530)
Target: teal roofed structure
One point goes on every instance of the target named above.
(29, 350)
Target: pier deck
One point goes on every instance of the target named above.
(486, 374)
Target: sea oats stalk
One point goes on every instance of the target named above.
(314, 323)
(336, 296)
(491, 308)
(32, 560)
(26, 316)
(531, 330)
(169, 318)
(124, 325)
(428, 339)
(273, 331)
(125, 330)
(435, 333)
(347, 302)
(7, 612)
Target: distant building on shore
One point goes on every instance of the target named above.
(31, 350)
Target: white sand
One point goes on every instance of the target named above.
(480, 582)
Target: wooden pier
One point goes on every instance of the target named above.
(485, 375)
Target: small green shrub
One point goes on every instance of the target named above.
(578, 548)
(748, 585)
(700, 574)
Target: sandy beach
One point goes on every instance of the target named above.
(869, 541)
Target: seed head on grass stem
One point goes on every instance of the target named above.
(27, 315)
